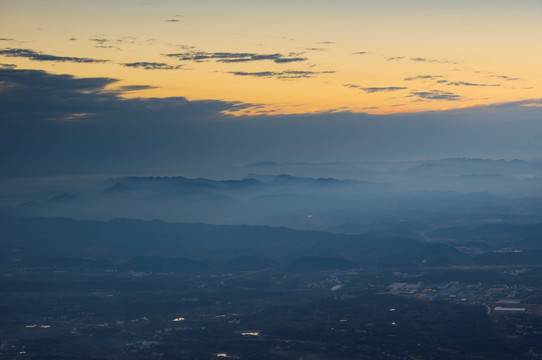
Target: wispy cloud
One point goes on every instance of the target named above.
(289, 74)
(104, 43)
(152, 66)
(383, 89)
(422, 59)
(464, 83)
(36, 56)
(436, 95)
(231, 57)
(375, 89)
(505, 77)
(174, 19)
(439, 80)
(99, 41)
(360, 53)
(441, 61)
(423, 77)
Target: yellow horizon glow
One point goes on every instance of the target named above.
(485, 51)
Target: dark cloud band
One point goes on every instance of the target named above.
(36, 56)
(58, 124)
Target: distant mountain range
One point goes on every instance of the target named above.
(372, 198)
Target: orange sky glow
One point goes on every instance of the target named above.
(283, 57)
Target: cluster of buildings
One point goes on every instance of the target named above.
(497, 298)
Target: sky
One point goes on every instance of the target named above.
(118, 85)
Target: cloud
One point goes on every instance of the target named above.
(104, 43)
(464, 83)
(505, 77)
(534, 102)
(36, 56)
(423, 77)
(7, 66)
(360, 53)
(152, 66)
(99, 41)
(281, 59)
(175, 19)
(74, 117)
(49, 93)
(382, 89)
(185, 47)
(419, 59)
(58, 124)
(326, 42)
(289, 74)
(375, 89)
(230, 57)
(422, 59)
(441, 61)
(442, 81)
(6, 39)
(127, 88)
(436, 95)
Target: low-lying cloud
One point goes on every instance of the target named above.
(58, 124)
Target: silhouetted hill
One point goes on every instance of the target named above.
(496, 235)
(117, 188)
(427, 254)
(164, 264)
(122, 239)
(319, 263)
(160, 246)
(65, 263)
(248, 263)
(62, 197)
